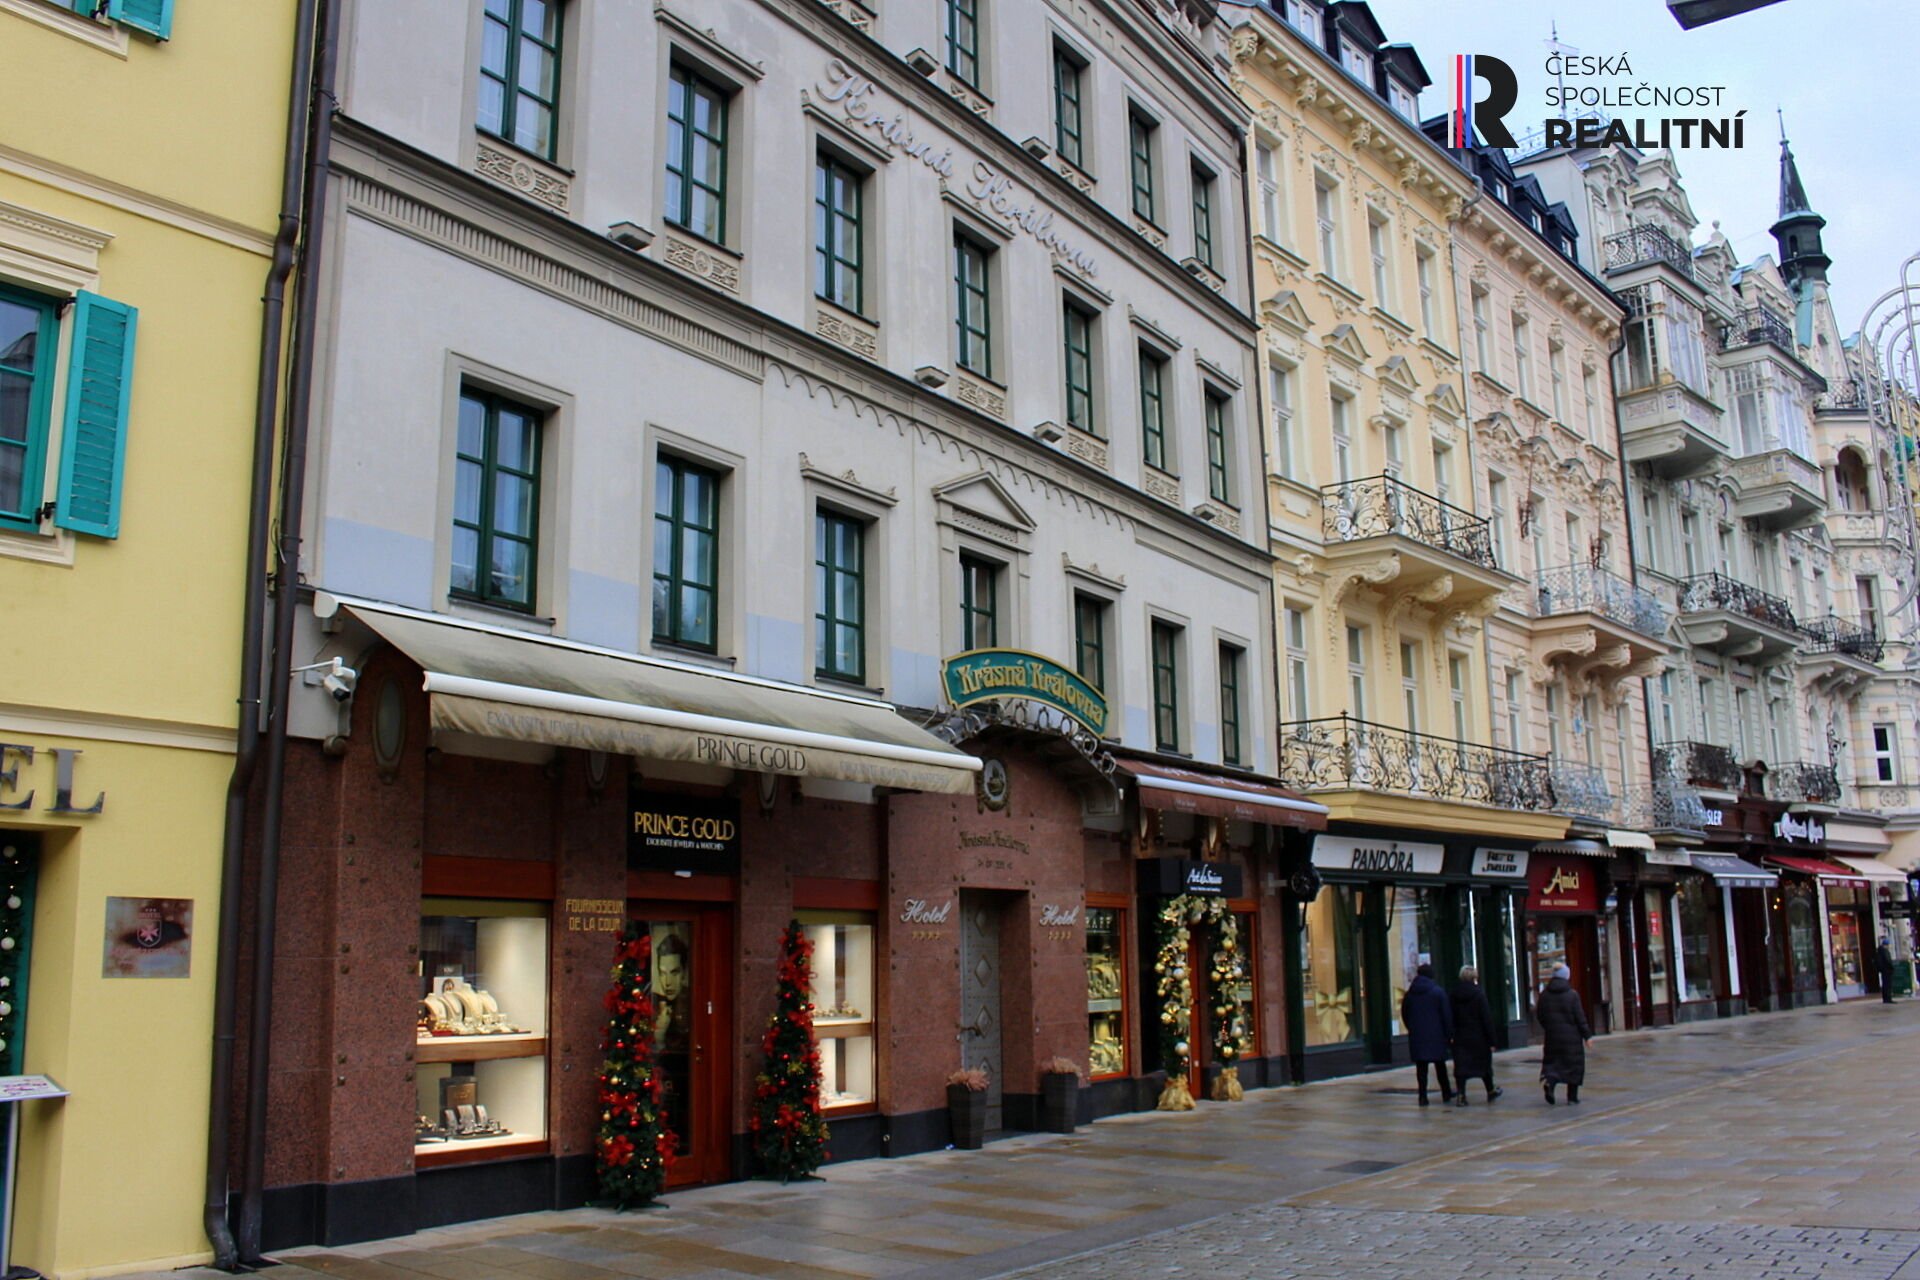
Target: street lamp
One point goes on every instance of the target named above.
(1698, 13)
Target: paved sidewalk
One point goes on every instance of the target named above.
(1767, 1145)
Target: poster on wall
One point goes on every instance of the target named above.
(148, 938)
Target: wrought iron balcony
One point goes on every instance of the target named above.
(1722, 613)
(1382, 505)
(1805, 782)
(1759, 324)
(1842, 397)
(1664, 805)
(1637, 246)
(1581, 791)
(1703, 764)
(1580, 588)
(1836, 635)
(1340, 753)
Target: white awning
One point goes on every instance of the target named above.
(498, 683)
(1872, 869)
(1618, 839)
(1566, 848)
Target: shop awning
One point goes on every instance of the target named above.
(1617, 839)
(496, 683)
(1573, 848)
(1218, 796)
(1730, 872)
(1873, 869)
(1831, 872)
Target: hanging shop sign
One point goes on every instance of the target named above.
(981, 675)
(1563, 886)
(1378, 857)
(1791, 829)
(669, 831)
(1171, 877)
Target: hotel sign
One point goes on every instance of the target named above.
(980, 675)
(1378, 857)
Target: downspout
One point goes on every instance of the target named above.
(286, 600)
(252, 643)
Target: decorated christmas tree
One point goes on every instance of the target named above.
(789, 1137)
(634, 1146)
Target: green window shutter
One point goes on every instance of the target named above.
(93, 452)
(155, 17)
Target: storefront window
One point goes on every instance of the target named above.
(1698, 919)
(481, 981)
(1510, 956)
(1243, 991)
(1549, 949)
(1803, 937)
(1106, 993)
(1844, 905)
(1412, 932)
(1659, 985)
(1330, 973)
(842, 999)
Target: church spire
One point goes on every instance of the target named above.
(1797, 233)
(1793, 196)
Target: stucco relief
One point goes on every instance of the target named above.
(522, 175)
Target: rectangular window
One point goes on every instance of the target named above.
(1068, 139)
(1090, 639)
(1557, 367)
(496, 500)
(1403, 101)
(979, 603)
(1357, 61)
(1666, 707)
(842, 994)
(1217, 479)
(1482, 356)
(972, 305)
(520, 72)
(1298, 705)
(839, 586)
(1457, 691)
(697, 155)
(1266, 168)
(1077, 324)
(1342, 440)
(1589, 397)
(1203, 217)
(1106, 992)
(1522, 358)
(1516, 713)
(838, 250)
(1410, 684)
(1325, 205)
(1153, 410)
(1230, 662)
(686, 553)
(1886, 758)
(1423, 276)
(1590, 729)
(28, 325)
(1868, 602)
(1638, 365)
(1280, 391)
(1497, 516)
(1357, 672)
(1166, 686)
(1553, 721)
(1443, 472)
(1378, 239)
(1140, 133)
(963, 40)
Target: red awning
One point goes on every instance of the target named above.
(1831, 872)
(1219, 796)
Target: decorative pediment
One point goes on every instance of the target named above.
(1398, 374)
(983, 495)
(1284, 309)
(1445, 400)
(1345, 343)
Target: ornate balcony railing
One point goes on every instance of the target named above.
(1717, 591)
(1841, 397)
(1381, 504)
(1804, 781)
(1759, 324)
(1581, 791)
(1663, 806)
(1836, 635)
(1340, 753)
(1579, 588)
(1637, 245)
(1700, 763)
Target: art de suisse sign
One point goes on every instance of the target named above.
(1378, 857)
(983, 674)
(1171, 877)
(668, 831)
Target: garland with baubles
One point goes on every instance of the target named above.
(1173, 984)
(634, 1147)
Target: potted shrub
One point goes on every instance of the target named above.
(1059, 1095)
(967, 1107)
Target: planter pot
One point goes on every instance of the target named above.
(1059, 1102)
(967, 1111)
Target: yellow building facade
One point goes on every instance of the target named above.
(140, 159)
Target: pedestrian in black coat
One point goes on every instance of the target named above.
(1563, 1026)
(1428, 1018)
(1472, 1035)
(1883, 969)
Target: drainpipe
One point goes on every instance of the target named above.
(286, 601)
(252, 643)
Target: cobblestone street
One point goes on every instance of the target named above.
(1762, 1146)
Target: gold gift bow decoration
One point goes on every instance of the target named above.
(1335, 1013)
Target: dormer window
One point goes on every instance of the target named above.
(1499, 191)
(1356, 60)
(1303, 17)
(1403, 102)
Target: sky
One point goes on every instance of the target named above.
(1842, 71)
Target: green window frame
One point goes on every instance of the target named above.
(686, 553)
(963, 40)
(520, 73)
(1230, 658)
(697, 154)
(1090, 639)
(979, 603)
(496, 501)
(1217, 478)
(29, 330)
(1140, 148)
(1077, 323)
(840, 588)
(973, 304)
(839, 234)
(1203, 217)
(1153, 409)
(1069, 138)
(1166, 686)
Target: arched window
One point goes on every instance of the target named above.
(1850, 480)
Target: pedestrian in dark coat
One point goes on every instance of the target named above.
(1563, 1026)
(1472, 1035)
(1883, 969)
(1428, 1018)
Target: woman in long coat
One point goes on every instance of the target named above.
(1563, 1026)
(1472, 1035)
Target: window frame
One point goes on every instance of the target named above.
(1299, 662)
(1142, 178)
(1216, 404)
(1380, 257)
(1423, 262)
(38, 441)
(1232, 714)
(509, 77)
(679, 467)
(690, 79)
(970, 608)
(1088, 606)
(826, 603)
(492, 402)
(963, 15)
(1280, 392)
(1202, 180)
(966, 245)
(1326, 217)
(1069, 70)
(1073, 312)
(1886, 760)
(829, 265)
(1153, 407)
(1267, 160)
(1165, 670)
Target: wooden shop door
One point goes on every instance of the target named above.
(693, 1006)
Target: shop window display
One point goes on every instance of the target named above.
(481, 983)
(1412, 931)
(1699, 916)
(843, 1010)
(1331, 979)
(1510, 957)
(1849, 959)
(1106, 993)
(1659, 983)
(1803, 936)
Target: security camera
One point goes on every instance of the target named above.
(340, 681)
